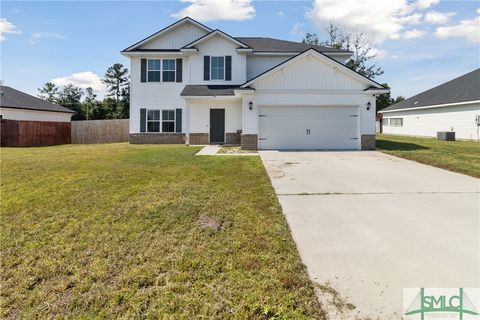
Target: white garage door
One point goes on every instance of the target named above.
(331, 128)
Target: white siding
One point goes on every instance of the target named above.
(310, 73)
(309, 82)
(426, 122)
(260, 64)
(199, 114)
(32, 115)
(176, 38)
(218, 46)
(154, 95)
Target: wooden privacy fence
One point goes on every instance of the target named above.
(19, 133)
(100, 131)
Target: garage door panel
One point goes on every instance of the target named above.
(308, 128)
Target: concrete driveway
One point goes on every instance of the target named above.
(368, 225)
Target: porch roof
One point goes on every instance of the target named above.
(210, 90)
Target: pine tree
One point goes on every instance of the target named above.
(48, 92)
(116, 80)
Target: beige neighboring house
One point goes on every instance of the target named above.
(17, 105)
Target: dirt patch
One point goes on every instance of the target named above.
(212, 223)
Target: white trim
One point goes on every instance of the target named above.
(153, 53)
(277, 92)
(216, 32)
(433, 106)
(290, 53)
(209, 97)
(167, 29)
(322, 57)
(376, 91)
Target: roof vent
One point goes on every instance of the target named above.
(416, 102)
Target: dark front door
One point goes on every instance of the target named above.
(217, 125)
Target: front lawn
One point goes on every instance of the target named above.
(458, 156)
(145, 231)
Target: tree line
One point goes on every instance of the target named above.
(115, 104)
(361, 59)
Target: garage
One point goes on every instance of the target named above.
(309, 128)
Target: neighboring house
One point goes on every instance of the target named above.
(452, 106)
(192, 84)
(29, 121)
(17, 105)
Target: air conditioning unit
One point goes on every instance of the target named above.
(446, 135)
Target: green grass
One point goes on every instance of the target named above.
(458, 156)
(145, 231)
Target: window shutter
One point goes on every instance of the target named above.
(228, 68)
(143, 70)
(206, 68)
(143, 120)
(179, 69)
(178, 120)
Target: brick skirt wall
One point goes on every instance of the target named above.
(157, 138)
(197, 138)
(368, 142)
(232, 138)
(249, 141)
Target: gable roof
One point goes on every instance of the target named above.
(12, 98)
(462, 89)
(347, 70)
(165, 30)
(212, 34)
(260, 44)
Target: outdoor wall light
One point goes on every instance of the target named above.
(250, 105)
(369, 104)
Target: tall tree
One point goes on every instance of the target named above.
(70, 97)
(89, 103)
(48, 92)
(363, 50)
(116, 79)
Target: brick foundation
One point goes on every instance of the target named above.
(197, 138)
(249, 141)
(368, 142)
(232, 137)
(157, 138)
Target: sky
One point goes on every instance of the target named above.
(419, 43)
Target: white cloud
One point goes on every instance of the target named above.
(424, 4)
(379, 19)
(297, 30)
(83, 80)
(414, 33)
(435, 17)
(36, 37)
(378, 53)
(280, 13)
(207, 10)
(468, 29)
(6, 27)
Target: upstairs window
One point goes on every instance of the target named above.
(168, 72)
(168, 120)
(153, 70)
(217, 68)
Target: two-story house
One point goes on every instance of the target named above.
(191, 84)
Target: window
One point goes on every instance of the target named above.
(398, 122)
(217, 68)
(153, 70)
(168, 120)
(153, 121)
(385, 121)
(168, 72)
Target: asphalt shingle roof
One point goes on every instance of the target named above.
(209, 90)
(461, 89)
(260, 44)
(12, 98)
